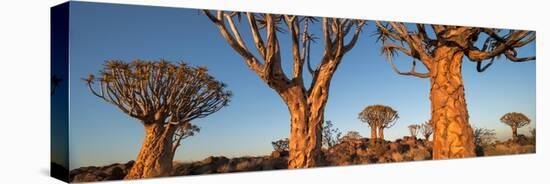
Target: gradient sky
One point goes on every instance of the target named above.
(101, 134)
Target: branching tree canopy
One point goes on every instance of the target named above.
(378, 117)
(440, 49)
(280, 145)
(331, 135)
(483, 136)
(351, 135)
(165, 98)
(185, 131)
(305, 103)
(413, 129)
(426, 129)
(515, 120)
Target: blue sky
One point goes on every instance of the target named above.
(101, 134)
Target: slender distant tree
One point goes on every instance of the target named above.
(331, 135)
(305, 104)
(482, 138)
(515, 120)
(426, 129)
(378, 117)
(165, 98)
(413, 129)
(441, 52)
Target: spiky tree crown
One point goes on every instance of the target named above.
(159, 91)
(515, 119)
(379, 116)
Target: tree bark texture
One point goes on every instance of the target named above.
(307, 116)
(453, 135)
(155, 156)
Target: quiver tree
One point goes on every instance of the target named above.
(305, 104)
(515, 120)
(413, 130)
(378, 117)
(165, 98)
(441, 53)
(426, 129)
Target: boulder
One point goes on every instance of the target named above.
(278, 154)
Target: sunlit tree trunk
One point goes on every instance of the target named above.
(514, 133)
(381, 133)
(373, 135)
(453, 136)
(305, 139)
(155, 156)
(307, 117)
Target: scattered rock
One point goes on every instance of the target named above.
(278, 154)
(349, 152)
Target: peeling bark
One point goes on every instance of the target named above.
(453, 135)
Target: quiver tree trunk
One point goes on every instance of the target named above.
(453, 135)
(155, 156)
(373, 135)
(381, 134)
(514, 133)
(305, 129)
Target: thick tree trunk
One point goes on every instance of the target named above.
(381, 133)
(453, 135)
(155, 156)
(305, 139)
(373, 135)
(514, 133)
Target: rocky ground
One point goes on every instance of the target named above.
(349, 152)
(522, 145)
(359, 151)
